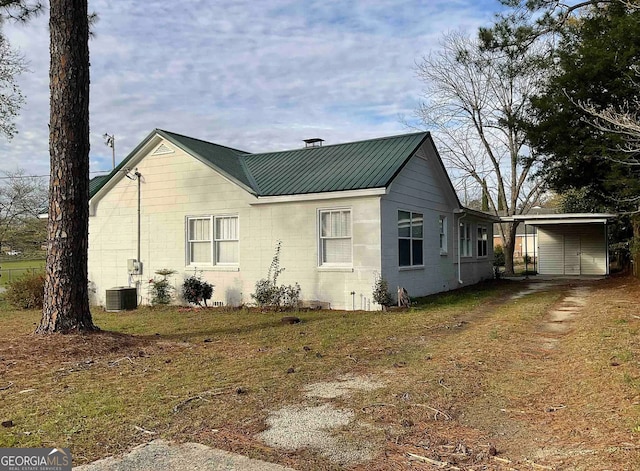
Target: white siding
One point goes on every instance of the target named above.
(550, 252)
(571, 253)
(593, 255)
(175, 186)
(422, 186)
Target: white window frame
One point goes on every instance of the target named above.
(411, 238)
(190, 240)
(217, 240)
(482, 240)
(322, 238)
(466, 240)
(443, 230)
(213, 240)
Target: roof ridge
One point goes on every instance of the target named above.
(244, 152)
(396, 136)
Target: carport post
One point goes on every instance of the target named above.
(526, 253)
(606, 248)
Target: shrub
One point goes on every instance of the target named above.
(196, 291)
(498, 254)
(381, 293)
(265, 292)
(269, 295)
(160, 290)
(290, 296)
(27, 292)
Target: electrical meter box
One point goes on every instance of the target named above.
(134, 266)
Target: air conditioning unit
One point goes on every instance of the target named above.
(121, 298)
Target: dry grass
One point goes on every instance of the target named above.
(462, 370)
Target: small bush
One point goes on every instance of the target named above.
(27, 292)
(290, 296)
(498, 254)
(269, 295)
(265, 293)
(381, 293)
(160, 290)
(196, 291)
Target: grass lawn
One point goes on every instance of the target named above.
(460, 370)
(12, 269)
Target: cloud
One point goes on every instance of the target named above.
(255, 76)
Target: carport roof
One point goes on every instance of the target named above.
(565, 218)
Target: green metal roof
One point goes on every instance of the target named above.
(352, 166)
(224, 158)
(373, 163)
(96, 182)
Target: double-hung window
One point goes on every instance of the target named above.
(466, 247)
(212, 240)
(335, 237)
(410, 230)
(199, 241)
(226, 240)
(482, 240)
(443, 234)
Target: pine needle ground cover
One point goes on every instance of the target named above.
(480, 378)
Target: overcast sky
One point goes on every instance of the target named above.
(254, 75)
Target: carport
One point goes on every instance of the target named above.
(569, 244)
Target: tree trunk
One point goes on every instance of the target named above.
(509, 247)
(66, 298)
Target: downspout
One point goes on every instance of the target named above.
(139, 175)
(462, 214)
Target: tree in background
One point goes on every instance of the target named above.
(22, 199)
(477, 99)
(525, 21)
(11, 99)
(66, 299)
(585, 118)
(594, 79)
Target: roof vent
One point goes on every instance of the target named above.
(313, 142)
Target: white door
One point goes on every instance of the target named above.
(572, 254)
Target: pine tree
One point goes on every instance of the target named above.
(66, 301)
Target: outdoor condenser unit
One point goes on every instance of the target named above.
(121, 298)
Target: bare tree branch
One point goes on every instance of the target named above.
(475, 100)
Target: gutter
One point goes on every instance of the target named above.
(461, 214)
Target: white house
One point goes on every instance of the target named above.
(343, 213)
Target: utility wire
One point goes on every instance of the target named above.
(42, 176)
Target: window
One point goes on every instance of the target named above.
(199, 240)
(335, 237)
(212, 238)
(443, 235)
(465, 240)
(482, 240)
(226, 238)
(409, 239)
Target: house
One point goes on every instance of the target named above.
(526, 241)
(343, 213)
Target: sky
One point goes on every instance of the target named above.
(256, 76)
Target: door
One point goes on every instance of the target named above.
(572, 254)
